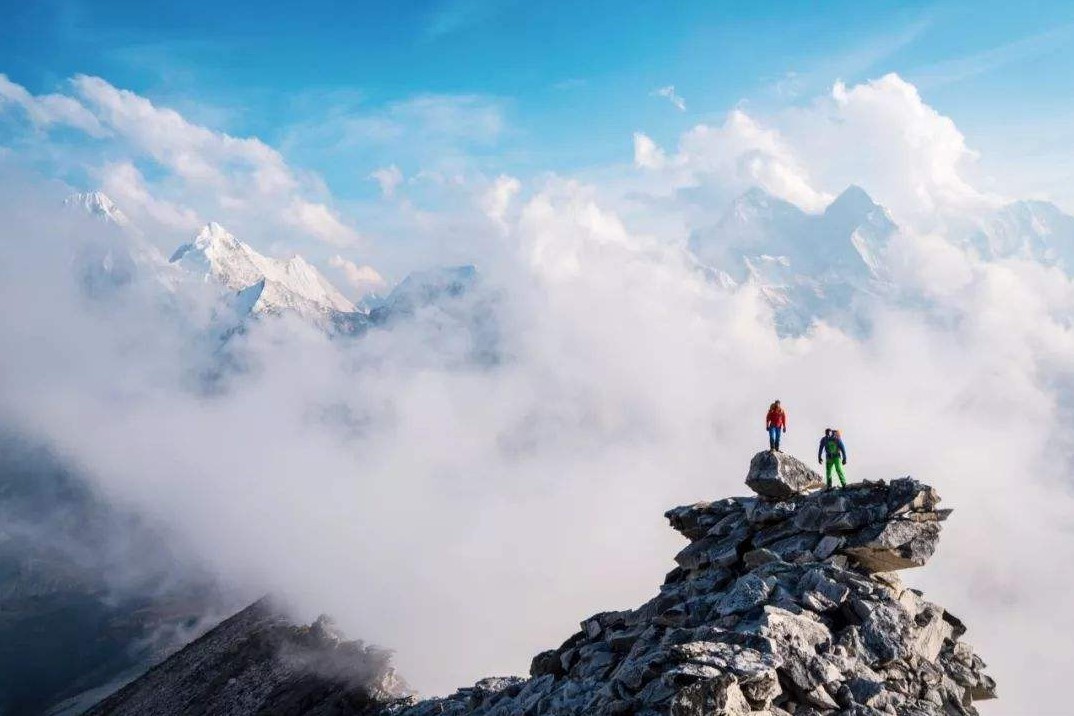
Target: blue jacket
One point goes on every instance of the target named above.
(823, 448)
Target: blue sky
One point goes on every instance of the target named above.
(571, 80)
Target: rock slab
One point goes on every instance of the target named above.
(777, 475)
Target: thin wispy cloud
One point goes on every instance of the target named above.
(850, 62)
(979, 63)
(570, 83)
(454, 16)
(668, 92)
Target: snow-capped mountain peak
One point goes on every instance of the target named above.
(97, 204)
(807, 265)
(215, 254)
(854, 201)
(1034, 230)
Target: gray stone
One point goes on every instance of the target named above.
(778, 475)
(930, 634)
(792, 634)
(827, 545)
(815, 581)
(762, 512)
(791, 548)
(757, 557)
(896, 544)
(747, 593)
(718, 696)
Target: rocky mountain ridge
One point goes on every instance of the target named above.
(256, 662)
(782, 603)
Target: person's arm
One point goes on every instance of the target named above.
(784, 422)
(843, 451)
(820, 450)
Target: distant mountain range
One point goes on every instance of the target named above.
(808, 266)
(821, 266)
(251, 284)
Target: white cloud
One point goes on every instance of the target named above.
(125, 184)
(669, 94)
(192, 152)
(239, 181)
(497, 198)
(321, 222)
(882, 136)
(50, 109)
(389, 178)
(647, 155)
(363, 279)
(732, 157)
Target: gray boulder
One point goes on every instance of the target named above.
(777, 475)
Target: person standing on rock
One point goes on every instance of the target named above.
(832, 453)
(776, 424)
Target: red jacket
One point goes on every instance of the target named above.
(776, 417)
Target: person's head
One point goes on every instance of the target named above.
(836, 433)
(827, 432)
(775, 404)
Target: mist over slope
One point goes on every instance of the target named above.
(467, 467)
(91, 595)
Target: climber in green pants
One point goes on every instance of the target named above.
(833, 454)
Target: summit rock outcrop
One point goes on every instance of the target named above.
(777, 605)
(778, 475)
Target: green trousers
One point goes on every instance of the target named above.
(829, 463)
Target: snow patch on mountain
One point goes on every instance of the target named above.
(114, 253)
(279, 284)
(98, 204)
(1031, 230)
(806, 265)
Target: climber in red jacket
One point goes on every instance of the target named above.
(776, 424)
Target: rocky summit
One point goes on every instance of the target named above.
(783, 603)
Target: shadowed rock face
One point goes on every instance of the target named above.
(257, 662)
(777, 606)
